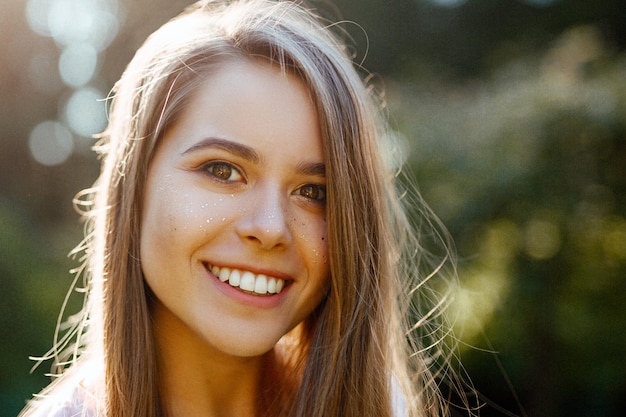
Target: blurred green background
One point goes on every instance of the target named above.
(511, 113)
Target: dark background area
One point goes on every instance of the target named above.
(511, 113)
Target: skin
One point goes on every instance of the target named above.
(238, 182)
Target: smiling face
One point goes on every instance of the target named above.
(233, 240)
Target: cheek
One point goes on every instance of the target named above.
(180, 214)
(320, 250)
(170, 214)
(321, 254)
(313, 238)
(158, 225)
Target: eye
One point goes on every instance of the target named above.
(223, 171)
(313, 192)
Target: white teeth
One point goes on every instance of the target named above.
(271, 285)
(260, 286)
(224, 274)
(235, 278)
(247, 281)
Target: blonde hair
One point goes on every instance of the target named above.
(352, 353)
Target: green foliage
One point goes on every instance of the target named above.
(34, 279)
(527, 168)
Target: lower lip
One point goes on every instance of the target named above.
(259, 301)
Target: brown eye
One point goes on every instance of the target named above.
(313, 192)
(223, 171)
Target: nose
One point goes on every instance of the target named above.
(264, 222)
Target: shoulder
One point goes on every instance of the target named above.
(69, 396)
(55, 407)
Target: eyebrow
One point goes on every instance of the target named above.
(238, 149)
(316, 169)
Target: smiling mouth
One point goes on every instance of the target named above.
(248, 282)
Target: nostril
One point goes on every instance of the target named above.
(265, 237)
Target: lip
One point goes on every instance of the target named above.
(259, 301)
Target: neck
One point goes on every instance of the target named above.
(195, 379)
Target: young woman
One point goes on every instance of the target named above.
(247, 255)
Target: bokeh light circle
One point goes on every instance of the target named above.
(37, 16)
(50, 143)
(75, 21)
(77, 64)
(85, 111)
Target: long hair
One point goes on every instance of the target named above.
(356, 355)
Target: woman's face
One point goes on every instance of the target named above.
(233, 241)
